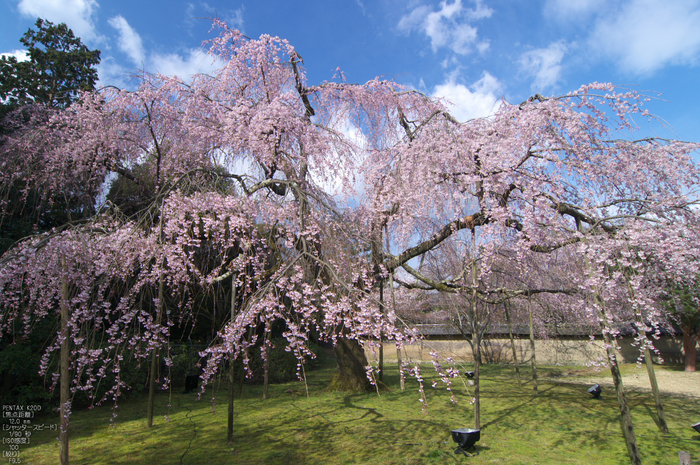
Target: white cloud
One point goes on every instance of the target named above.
(568, 10)
(129, 40)
(77, 14)
(234, 19)
(362, 7)
(646, 35)
(183, 65)
(544, 64)
(480, 11)
(331, 177)
(479, 100)
(20, 55)
(111, 73)
(194, 61)
(449, 26)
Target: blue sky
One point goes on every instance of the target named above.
(472, 52)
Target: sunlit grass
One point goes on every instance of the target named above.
(559, 424)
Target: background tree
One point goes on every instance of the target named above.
(59, 68)
(682, 303)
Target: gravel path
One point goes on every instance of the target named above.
(670, 381)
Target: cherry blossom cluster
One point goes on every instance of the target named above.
(303, 201)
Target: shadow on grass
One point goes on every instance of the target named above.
(560, 421)
(508, 413)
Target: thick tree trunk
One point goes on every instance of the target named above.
(690, 340)
(65, 368)
(352, 363)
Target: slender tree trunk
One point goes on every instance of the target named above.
(151, 388)
(625, 416)
(655, 390)
(477, 394)
(266, 370)
(243, 374)
(65, 367)
(154, 362)
(512, 343)
(376, 253)
(532, 343)
(399, 361)
(476, 335)
(690, 340)
(231, 390)
(381, 334)
(650, 366)
(229, 433)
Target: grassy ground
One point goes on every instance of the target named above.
(560, 424)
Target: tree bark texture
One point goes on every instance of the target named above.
(351, 374)
(663, 426)
(625, 416)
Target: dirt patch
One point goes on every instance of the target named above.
(670, 381)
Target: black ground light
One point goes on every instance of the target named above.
(696, 427)
(595, 391)
(466, 438)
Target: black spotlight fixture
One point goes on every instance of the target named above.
(465, 439)
(469, 374)
(595, 391)
(696, 427)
